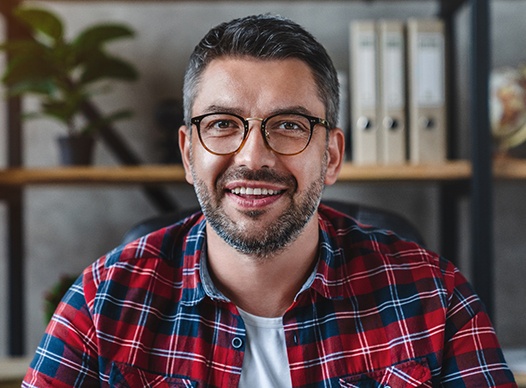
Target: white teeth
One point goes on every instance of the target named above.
(253, 191)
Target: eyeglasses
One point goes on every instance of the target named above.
(285, 133)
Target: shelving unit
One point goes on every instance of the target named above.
(170, 174)
(453, 171)
(452, 177)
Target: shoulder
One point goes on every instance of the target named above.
(162, 251)
(164, 243)
(347, 233)
(368, 251)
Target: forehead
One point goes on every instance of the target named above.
(253, 85)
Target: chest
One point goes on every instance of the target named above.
(325, 341)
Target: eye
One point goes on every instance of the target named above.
(221, 123)
(290, 125)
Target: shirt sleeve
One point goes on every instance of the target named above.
(67, 354)
(472, 354)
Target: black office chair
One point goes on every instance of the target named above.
(380, 218)
(369, 215)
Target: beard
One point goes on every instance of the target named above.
(278, 234)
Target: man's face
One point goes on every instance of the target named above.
(257, 200)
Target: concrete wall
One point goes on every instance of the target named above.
(69, 227)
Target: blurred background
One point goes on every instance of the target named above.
(68, 227)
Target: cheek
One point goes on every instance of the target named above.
(207, 167)
(307, 170)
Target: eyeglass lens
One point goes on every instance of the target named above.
(284, 133)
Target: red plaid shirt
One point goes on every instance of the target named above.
(379, 312)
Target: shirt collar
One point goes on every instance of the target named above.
(332, 279)
(194, 244)
(327, 279)
(197, 282)
(206, 280)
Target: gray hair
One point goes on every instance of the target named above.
(266, 37)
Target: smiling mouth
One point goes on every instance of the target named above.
(255, 191)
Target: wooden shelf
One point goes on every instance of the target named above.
(509, 169)
(449, 171)
(166, 174)
(151, 174)
(503, 169)
(520, 379)
(12, 370)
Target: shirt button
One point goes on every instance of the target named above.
(237, 342)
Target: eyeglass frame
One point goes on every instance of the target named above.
(313, 121)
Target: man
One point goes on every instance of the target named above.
(265, 288)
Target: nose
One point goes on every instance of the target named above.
(255, 152)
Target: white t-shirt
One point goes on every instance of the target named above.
(266, 363)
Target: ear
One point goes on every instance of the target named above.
(185, 144)
(336, 152)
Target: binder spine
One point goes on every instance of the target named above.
(426, 91)
(364, 123)
(392, 92)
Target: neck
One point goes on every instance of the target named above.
(263, 286)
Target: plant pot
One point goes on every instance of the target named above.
(76, 150)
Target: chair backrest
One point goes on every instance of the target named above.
(380, 218)
(364, 214)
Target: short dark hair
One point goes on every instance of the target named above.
(266, 37)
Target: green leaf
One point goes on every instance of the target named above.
(32, 115)
(59, 72)
(17, 47)
(61, 110)
(37, 86)
(55, 294)
(94, 37)
(42, 21)
(104, 67)
(25, 68)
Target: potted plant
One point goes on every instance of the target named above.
(54, 295)
(66, 74)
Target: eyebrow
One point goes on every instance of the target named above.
(228, 109)
(222, 108)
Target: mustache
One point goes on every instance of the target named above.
(261, 175)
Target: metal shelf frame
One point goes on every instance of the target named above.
(482, 244)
